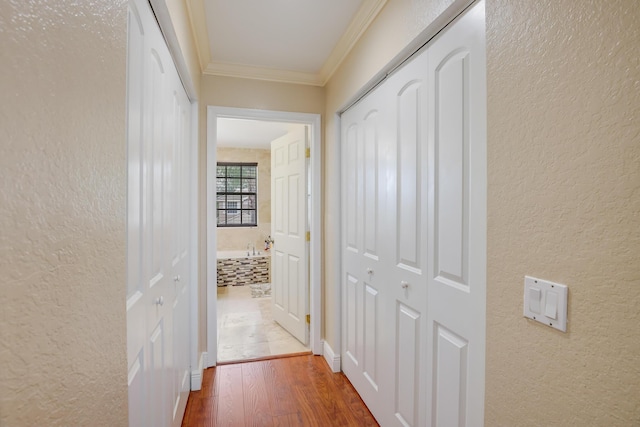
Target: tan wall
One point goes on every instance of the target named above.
(237, 238)
(241, 93)
(182, 26)
(62, 215)
(564, 205)
(563, 200)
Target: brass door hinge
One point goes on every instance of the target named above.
(309, 319)
(308, 236)
(308, 152)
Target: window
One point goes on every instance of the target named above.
(237, 193)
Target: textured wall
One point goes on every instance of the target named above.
(62, 213)
(237, 238)
(240, 93)
(564, 205)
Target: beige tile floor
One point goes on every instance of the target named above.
(246, 329)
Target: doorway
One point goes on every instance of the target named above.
(239, 325)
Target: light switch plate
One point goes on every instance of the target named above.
(551, 309)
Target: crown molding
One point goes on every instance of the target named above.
(359, 24)
(198, 23)
(259, 73)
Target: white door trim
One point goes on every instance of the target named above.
(315, 250)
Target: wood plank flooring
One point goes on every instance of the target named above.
(290, 391)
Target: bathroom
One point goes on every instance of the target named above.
(246, 329)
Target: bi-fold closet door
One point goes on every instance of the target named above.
(413, 241)
(158, 239)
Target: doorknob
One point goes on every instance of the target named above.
(404, 285)
(160, 301)
(177, 278)
(369, 271)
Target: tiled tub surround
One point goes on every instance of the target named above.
(235, 268)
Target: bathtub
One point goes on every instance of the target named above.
(241, 254)
(236, 268)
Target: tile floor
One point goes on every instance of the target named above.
(246, 329)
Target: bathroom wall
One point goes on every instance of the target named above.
(232, 238)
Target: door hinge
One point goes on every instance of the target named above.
(309, 319)
(308, 152)
(308, 236)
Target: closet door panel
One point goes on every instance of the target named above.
(407, 346)
(457, 222)
(407, 210)
(371, 317)
(410, 172)
(351, 320)
(351, 196)
(362, 273)
(451, 170)
(370, 184)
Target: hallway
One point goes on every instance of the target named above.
(292, 391)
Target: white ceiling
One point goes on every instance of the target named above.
(241, 133)
(296, 41)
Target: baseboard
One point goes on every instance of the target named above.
(333, 360)
(196, 374)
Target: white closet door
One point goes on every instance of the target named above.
(157, 298)
(363, 171)
(179, 250)
(413, 243)
(136, 300)
(457, 223)
(406, 265)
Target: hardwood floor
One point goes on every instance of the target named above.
(290, 391)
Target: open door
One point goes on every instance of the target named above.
(289, 259)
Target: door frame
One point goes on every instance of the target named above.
(315, 249)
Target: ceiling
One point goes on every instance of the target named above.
(294, 41)
(241, 133)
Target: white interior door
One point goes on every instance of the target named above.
(157, 228)
(289, 258)
(413, 242)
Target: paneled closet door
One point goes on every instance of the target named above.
(413, 321)
(407, 239)
(457, 223)
(158, 236)
(178, 255)
(362, 248)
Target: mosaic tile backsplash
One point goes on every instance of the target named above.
(243, 271)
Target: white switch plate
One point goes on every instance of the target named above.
(551, 309)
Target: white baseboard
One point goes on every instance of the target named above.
(196, 374)
(332, 359)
